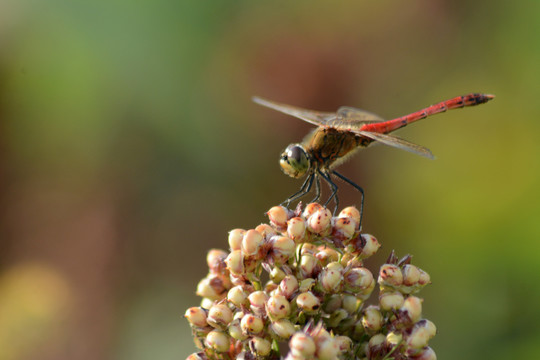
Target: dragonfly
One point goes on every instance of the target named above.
(342, 133)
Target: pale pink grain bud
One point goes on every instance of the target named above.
(238, 315)
(302, 345)
(251, 324)
(353, 262)
(278, 217)
(327, 255)
(393, 338)
(240, 280)
(235, 238)
(429, 326)
(235, 330)
(277, 274)
(424, 278)
(223, 278)
(358, 279)
(365, 293)
(196, 316)
(257, 300)
(252, 243)
(278, 307)
(330, 279)
(235, 262)
(288, 286)
(311, 209)
(309, 266)
(347, 258)
(390, 275)
(344, 343)
(282, 328)
(377, 339)
(411, 275)
(411, 311)
(282, 248)
(370, 245)
(211, 288)
(426, 353)
(372, 320)
(237, 296)
(391, 300)
(259, 346)
(306, 285)
(327, 349)
(296, 229)
(308, 248)
(351, 212)
(319, 222)
(308, 302)
(207, 303)
(220, 316)
(334, 265)
(343, 228)
(216, 260)
(265, 230)
(218, 341)
(376, 346)
(319, 334)
(422, 332)
(350, 304)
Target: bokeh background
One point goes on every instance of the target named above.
(129, 147)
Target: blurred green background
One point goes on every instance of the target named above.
(129, 147)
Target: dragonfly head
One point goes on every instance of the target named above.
(294, 161)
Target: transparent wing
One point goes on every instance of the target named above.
(354, 114)
(397, 143)
(311, 116)
(349, 118)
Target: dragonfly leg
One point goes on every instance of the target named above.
(357, 188)
(317, 189)
(306, 187)
(334, 188)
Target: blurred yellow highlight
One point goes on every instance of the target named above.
(34, 301)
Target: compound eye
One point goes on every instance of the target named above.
(296, 153)
(294, 161)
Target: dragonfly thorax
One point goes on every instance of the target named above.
(294, 161)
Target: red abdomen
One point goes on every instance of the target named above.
(455, 103)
